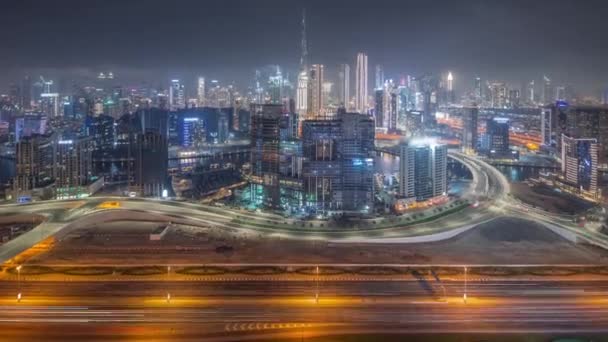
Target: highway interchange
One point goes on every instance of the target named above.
(250, 309)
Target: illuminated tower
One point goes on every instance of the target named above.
(315, 95)
(344, 86)
(201, 92)
(361, 83)
(302, 89)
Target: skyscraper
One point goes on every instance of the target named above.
(580, 163)
(469, 129)
(547, 96)
(302, 87)
(422, 170)
(265, 154)
(379, 77)
(316, 98)
(546, 126)
(200, 92)
(361, 85)
(344, 86)
(497, 137)
(177, 98)
(478, 92)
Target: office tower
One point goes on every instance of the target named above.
(177, 98)
(500, 95)
(191, 131)
(30, 124)
(265, 154)
(560, 93)
(497, 138)
(605, 96)
(102, 132)
(26, 93)
(361, 85)
(379, 77)
(478, 95)
(153, 120)
(338, 164)
(148, 155)
(583, 122)
(546, 126)
(222, 128)
(200, 92)
(531, 96)
(302, 95)
(547, 93)
(33, 163)
(385, 108)
(514, 97)
(276, 84)
(450, 83)
(580, 164)
(344, 86)
(422, 170)
(356, 148)
(469, 129)
(316, 100)
(73, 166)
(321, 169)
(49, 104)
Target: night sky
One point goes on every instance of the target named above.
(154, 39)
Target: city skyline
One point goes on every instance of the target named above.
(416, 39)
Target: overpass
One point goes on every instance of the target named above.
(490, 188)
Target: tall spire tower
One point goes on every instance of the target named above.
(302, 90)
(304, 44)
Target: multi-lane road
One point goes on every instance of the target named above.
(246, 310)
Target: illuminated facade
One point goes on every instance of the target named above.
(422, 170)
(361, 84)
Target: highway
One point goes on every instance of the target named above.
(238, 310)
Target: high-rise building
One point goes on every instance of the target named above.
(582, 122)
(497, 138)
(361, 85)
(478, 95)
(451, 98)
(546, 126)
(379, 77)
(356, 149)
(580, 163)
(177, 98)
(500, 95)
(200, 92)
(531, 96)
(148, 162)
(344, 86)
(316, 100)
(514, 98)
(422, 170)
(73, 166)
(265, 154)
(338, 164)
(469, 129)
(191, 131)
(547, 94)
(33, 163)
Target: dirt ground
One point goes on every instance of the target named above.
(502, 241)
(547, 199)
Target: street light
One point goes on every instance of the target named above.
(317, 286)
(168, 294)
(18, 268)
(464, 297)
